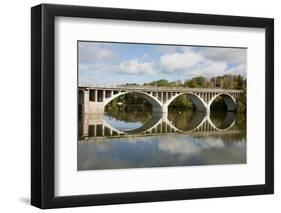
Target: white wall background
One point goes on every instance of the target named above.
(15, 105)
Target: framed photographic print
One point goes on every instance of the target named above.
(140, 106)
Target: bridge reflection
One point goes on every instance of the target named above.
(200, 124)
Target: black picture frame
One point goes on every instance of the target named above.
(43, 105)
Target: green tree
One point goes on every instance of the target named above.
(240, 82)
(201, 81)
(192, 83)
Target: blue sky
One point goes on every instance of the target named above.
(119, 63)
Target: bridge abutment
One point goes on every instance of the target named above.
(89, 106)
(96, 107)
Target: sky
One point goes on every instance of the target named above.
(110, 64)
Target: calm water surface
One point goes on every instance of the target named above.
(138, 139)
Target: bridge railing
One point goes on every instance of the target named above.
(155, 88)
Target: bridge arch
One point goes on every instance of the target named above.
(228, 99)
(152, 123)
(199, 124)
(155, 103)
(196, 100)
(228, 122)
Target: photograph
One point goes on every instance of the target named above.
(135, 105)
(143, 105)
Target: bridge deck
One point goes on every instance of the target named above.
(157, 89)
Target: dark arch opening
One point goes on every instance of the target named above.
(132, 101)
(128, 112)
(222, 119)
(182, 102)
(223, 102)
(186, 112)
(186, 120)
(187, 102)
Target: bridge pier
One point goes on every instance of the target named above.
(160, 109)
(208, 111)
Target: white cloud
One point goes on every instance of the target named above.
(185, 61)
(133, 66)
(233, 56)
(205, 61)
(183, 146)
(94, 68)
(179, 61)
(208, 68)
(92, 52)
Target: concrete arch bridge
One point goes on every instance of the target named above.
(94, 99)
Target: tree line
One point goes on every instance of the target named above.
(224, 82)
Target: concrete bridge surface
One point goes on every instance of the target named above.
(94, 99)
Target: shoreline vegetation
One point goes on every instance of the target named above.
(182, 102)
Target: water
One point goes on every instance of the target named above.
(140, 139)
